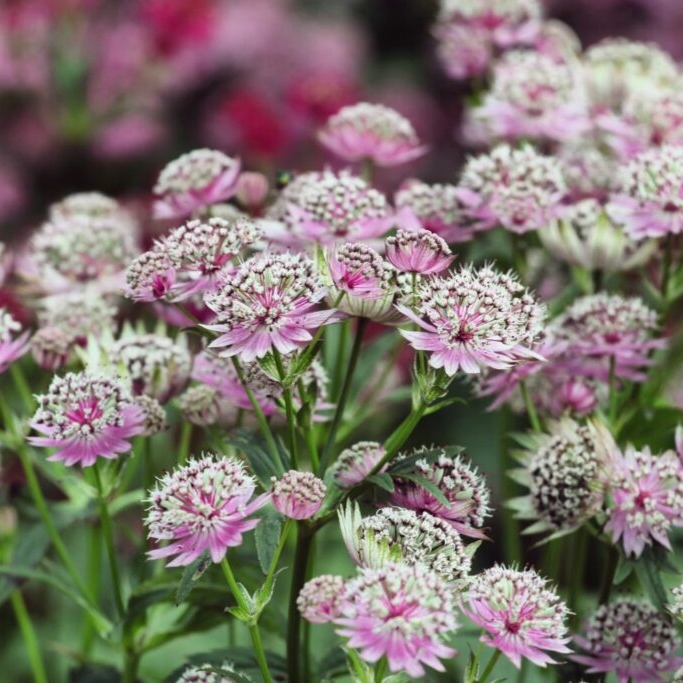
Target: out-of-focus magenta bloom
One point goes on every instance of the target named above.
(319, 599)
(252, 189)
(86, 417)
(401, 612)
(151, 276)
(203, 506)
(355, 463)
(464, 51)
(519, 189)
(317, 94)
(51, 347)
(194, 181)
(646, 499)
(130, 136)
(266, 303)
(298, 495)
(371, 132)
(180, 24)
(649, 202)
(520, 614)
(474, 319)
(13, 342)
(631, 639)
(462, 485)
(418, 251)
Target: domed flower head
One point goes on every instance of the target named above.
(473, 319)
(327, 208)
(298, 495)
(402, 535)
(355, 463)
(418, 251)
(319, 599)
(266, 303)
(462, 485)
(92, 205)
(151, 276)
(520, 614)
(203, 252)
(649, 202)
(373, 132)
(252, 190)
(86, 417)
(655, 120)
(205, 505)
(154, 415)
(533, 96)
(463, 51)
(205, 674)
(194, 181)
(518, 189)
(632, 639)
(401, 612)
(51, 347)
(203, 405)
(13, 342)
(646, 499)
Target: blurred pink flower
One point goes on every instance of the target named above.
(13, 341)
(298, 495)
(319, 599)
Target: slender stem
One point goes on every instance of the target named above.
(367, 170)
(29, 635)
(613, 396)
(303, 547)
(130, 666)
(94, 572)
(400, 435)
(260, 417)
(380, 670)
(337, 369)
(578, 569)
(530, 409)
(185, 442)
(22, 387)
(666, 267)
(608, 576)
(512, 543)
(187, 313)
(278, 551)
(344, 394)
(289, 410)
(109, 542)
(489, 667)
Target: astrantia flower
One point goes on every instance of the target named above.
(86, 205)
(373, 132)
(649, 202)
(655, 120)
(13, 342)
(252, 190)
(356, 462)
(520, 614)
(266, 303)
(533, 96)
(474, 319)
(154, 420)
(202, 252)
(519, 189)
(418, 251)
(204, 505)
(328, 208)
(462, 485)
(86, 417)
(51, 347)
(631, 639)
(464, 51)
(151, 276)
(194, 181)
(202, 674)
(319, 599)
(646, 499)
(203, 406)
(402, 612)
(298, 495)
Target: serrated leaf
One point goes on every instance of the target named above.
(649, 577)
(428, 485)
(267, 536)
(429, 455)
(260, 460)
(623, 570)
(471, 672)
(192, 573)
(383, 481)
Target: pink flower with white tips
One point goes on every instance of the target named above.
(401, 612)
(151, 276)
(520, 614)
(194, 181)
(205, 505)
(474, 319)
(463, 51)
(86, 417)
(418, 251)
(319, 599)
(298, 495)
(266, 303)
(373, 132)
(13, 342)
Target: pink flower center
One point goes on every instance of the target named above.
(88, 411)
(512, 626)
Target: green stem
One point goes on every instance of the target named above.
(338, 367)
(109, 542)
(608, 576)
(29, 635)
(343, 395)
(401, 434)
(130, 666)
(530, 409)
(578, 570)
(94, 572)
(303, 547)
(489, 667)
(380, 670)
(666, 267)
(22, 387)
(278, 552)
(185, 442)
(512, 543)
(612, 393)
(289, 410)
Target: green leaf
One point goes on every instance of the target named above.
(428, 485)
(257, 455)
(191, 575)
(651, 580)
(333, 663)
(267, 536)
(383, 480)
(429, 455)
(471, 672)
(623, 570)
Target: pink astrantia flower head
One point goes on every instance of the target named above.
(533, 96)
(205, 674)
(464, 51)
(86, 205)
(327, 208)
(204, 505)
(518, 189)
(356, 462)
(194, 181)
(373, 132)
(202, 252)
(631, 639)
(51, 347)
(463, 486)
(646, 499)
(266, 303)
(418, 251)
(252, 190)
(319, 599)
(474, 319)
(151, 276)
(655, 120)
(86, 417)
(522, 617)
(401, 612)
(649, 202)
(13, 342)
(203, 405)
(298, 495)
